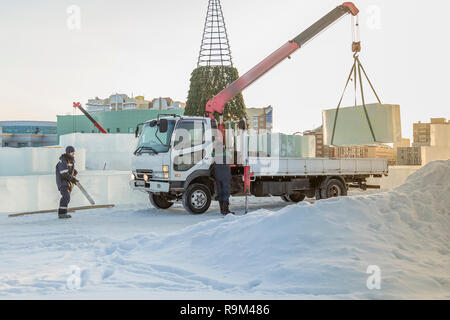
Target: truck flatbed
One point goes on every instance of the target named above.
(261, 167)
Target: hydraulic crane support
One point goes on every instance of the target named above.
(99, 127)
(217, 103)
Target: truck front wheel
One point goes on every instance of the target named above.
(197, 199)
(159, 202)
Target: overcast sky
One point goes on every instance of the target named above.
(150, 47)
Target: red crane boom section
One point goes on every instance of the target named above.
(217, 103)
(95, 123)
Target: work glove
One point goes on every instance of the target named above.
(75, 180)
(75, 172)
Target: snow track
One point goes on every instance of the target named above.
(319, 250)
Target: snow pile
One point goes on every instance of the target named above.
(326, 248)
(301, 251)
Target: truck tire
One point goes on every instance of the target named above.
(159, 202)
(197, 199)
(296, 197)
(332, 189)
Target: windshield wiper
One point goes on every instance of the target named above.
(140, 149)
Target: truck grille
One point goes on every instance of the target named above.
(140, 174)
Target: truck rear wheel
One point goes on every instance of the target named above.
(159, 202)
(197, 199)
(332, 189)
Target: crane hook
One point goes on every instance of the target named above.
(356, 44)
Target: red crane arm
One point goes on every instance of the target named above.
(99, 127)
(217, 103)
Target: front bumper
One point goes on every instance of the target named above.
(150, 186)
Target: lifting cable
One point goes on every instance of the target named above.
(356, 72)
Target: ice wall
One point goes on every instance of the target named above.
(35, 161)
(430, 154)
(103, 151)
(32, 193)
(397, 176)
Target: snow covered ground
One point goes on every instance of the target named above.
(278, 251)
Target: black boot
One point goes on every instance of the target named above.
(221, 204)
(226, 209)
(64, 216)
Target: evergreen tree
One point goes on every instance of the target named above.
(208, 81)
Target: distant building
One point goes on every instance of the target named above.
(422, 131)
(404, 143)
(431, 142)
(121, 102)
(166, 104)
(260, 120)
(409, 156)
(21, 134)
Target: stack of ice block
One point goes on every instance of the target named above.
(277, 145)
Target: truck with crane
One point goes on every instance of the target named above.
(173, 160)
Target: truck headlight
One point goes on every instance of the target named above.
(145, 177)
(161, 175)
(132, 176)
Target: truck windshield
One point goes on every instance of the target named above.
(153, 141)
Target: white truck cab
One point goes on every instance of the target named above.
(165, 163)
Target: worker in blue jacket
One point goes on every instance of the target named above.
(222, 175)
(65, 180)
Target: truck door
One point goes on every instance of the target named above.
(189, 147)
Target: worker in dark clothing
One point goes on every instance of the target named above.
(222, 175)
(65, 180)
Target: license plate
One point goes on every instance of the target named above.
(159, 187)
(140, 184)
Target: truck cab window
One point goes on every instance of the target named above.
(151, 140)
(189, 134)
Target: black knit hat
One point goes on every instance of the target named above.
(70, 149)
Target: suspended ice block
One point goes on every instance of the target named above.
(352, 127)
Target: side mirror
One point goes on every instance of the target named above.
(136, 133)
(163, 125)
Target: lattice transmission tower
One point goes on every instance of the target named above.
(215, 47)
